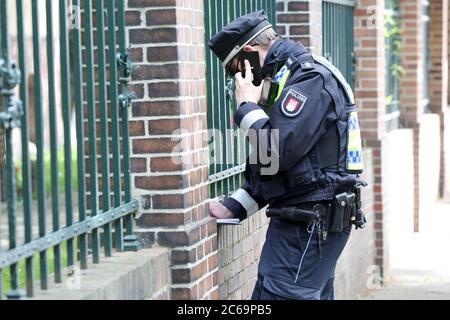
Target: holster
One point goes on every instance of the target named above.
(341, 212)
(360, 218)
(345, 211)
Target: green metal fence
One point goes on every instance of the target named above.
(228, 147)
(393, 68)
(338, 36)
(93, 69)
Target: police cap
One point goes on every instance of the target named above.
(227, 43)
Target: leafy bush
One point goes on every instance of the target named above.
(47, 174)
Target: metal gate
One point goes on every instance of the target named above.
(393, 68)
(228, 147)
(86, 71)
(338, 36)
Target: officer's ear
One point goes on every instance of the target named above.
(249, 48)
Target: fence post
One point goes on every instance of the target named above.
(10, 115)
(438, 79)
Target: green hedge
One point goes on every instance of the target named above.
(47, 174)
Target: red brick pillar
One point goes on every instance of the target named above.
(411, 82)
(447, 127)
(168, 127)
(448, 53)
(438, 76)
(370, 95)
(301, 21)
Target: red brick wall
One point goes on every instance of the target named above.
(370, 74)
(301, 21)
(168, 125)
(438, 44)
(370, 96)
(447, 126)
(411, 82)
(239, 251)
(438, 76)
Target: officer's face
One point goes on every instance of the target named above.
(234, 66)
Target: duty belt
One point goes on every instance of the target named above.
(332, 216)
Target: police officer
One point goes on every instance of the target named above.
(304, 114)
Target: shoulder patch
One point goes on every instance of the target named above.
(293, 103)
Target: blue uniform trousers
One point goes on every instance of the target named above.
(296, 265)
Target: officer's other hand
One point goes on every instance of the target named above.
(218, 211)
(245, 89)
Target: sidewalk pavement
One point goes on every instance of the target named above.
(424, 272)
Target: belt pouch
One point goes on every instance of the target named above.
(336, 218)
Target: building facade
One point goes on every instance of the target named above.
(185, 149)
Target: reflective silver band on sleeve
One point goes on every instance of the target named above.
(338, 74)
(246, 201)
(251, 118)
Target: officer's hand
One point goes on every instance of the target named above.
(245, 89)
(218, 211)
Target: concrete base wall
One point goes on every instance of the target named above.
(447, 154)
(398, 218)
(430, 146)
(126, 276)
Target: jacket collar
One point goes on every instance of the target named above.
(278, 54)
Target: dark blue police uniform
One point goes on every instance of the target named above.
(319, 156)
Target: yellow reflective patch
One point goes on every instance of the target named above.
(355, 161)
(281, 78)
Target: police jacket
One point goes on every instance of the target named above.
(305, 135)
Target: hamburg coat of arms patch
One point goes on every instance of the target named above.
(293, 103)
